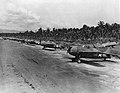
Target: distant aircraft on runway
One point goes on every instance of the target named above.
(50, 45)
(108, 44)
(31, 42)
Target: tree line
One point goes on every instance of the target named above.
(94, 33)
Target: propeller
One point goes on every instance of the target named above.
(68, 50)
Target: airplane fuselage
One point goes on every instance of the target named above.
(50, 46)
(93, 55)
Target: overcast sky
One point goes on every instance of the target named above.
(32, 14)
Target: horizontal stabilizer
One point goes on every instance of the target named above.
(108, 50)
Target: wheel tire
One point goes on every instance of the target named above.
(43, 48)
(79, 61)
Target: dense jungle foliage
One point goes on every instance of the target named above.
(103, 31)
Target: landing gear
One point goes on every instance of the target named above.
(44, 47)
(79, 61)
(77, 58)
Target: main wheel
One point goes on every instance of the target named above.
(43, 47)
(79, 61)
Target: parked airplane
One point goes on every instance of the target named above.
(31, 42)
(108, 44)
(88, 52)
(50, 45)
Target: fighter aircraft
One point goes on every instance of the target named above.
(89, 52)
(108, 44)
(50, 45)
(31, 42)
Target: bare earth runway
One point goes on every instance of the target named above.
(29, 69)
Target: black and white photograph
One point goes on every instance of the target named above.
(59, 46)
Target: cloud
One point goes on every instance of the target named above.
(19, 17)
(31, 14)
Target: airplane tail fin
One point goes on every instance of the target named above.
(108, 50)
(94, 46)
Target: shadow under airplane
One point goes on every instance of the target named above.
(92, 62)
(48, 49)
